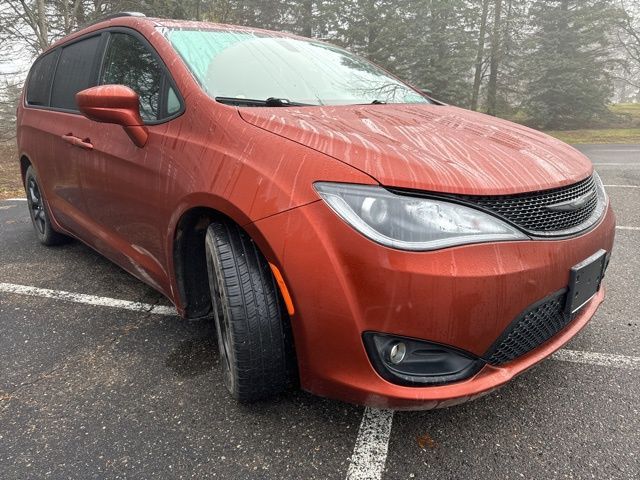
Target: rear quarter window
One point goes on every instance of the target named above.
(40, 78)
(76, 71)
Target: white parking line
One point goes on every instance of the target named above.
(616, 164)
(619, 150)
(370, 451)
(594, 358)
(16, 199)
(622, 186)
(86, 299)
(623, 227)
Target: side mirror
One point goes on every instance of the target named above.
(114, 104)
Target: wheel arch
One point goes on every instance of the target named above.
(25, 163)
(189, 258)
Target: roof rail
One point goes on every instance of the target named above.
(111, 16)
(121, 14)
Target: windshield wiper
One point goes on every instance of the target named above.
(378, 102)
(269, 102)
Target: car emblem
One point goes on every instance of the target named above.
(571, 205)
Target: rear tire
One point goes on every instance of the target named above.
(254, 336)
(39, 211)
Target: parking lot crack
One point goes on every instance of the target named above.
(10, 395)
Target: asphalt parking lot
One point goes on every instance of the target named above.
(89, 389)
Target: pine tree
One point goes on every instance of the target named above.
(568, 67)
(497, 36)
(441, 48)
(477, 76)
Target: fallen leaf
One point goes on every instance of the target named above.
(425, 440)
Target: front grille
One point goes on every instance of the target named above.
(529, 213)
(530, 330)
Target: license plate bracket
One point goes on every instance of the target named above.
(584, 281)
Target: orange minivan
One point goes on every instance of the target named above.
(343, 230)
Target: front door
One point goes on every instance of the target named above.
(123, 184)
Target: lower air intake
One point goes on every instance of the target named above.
(530, 330)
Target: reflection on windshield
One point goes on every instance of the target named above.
(249, 65)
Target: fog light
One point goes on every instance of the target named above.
(397, 353)
(410, 361)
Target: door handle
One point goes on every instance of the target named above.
(86, 144)
(77, 141)
(69, 138)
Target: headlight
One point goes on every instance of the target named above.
(412, 223)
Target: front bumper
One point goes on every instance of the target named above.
(342, 285)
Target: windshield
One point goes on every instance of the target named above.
(280, 71)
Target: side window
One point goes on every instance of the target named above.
(40, 78)
(129, 62)
(173, 102)
(74, 73)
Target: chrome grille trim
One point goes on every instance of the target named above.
(529, 211)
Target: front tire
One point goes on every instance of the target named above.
(254, 339)
(39, 211)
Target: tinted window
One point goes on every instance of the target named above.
(74, 72)
(40, 79)
(129, 62)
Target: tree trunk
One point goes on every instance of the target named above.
(307, 18)
(477, 79)
(372, 29)
(506, 38)
(43, 26)
(496, 48)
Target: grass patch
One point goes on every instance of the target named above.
(609, 135)
(10, 179)
(629, 110)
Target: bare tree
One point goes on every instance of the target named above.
(37, 23)
(25, 22)
(9, 96)
(629, 39)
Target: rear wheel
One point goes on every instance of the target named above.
(39, 212)
(254, 339)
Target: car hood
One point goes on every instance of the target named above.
(430, 147)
